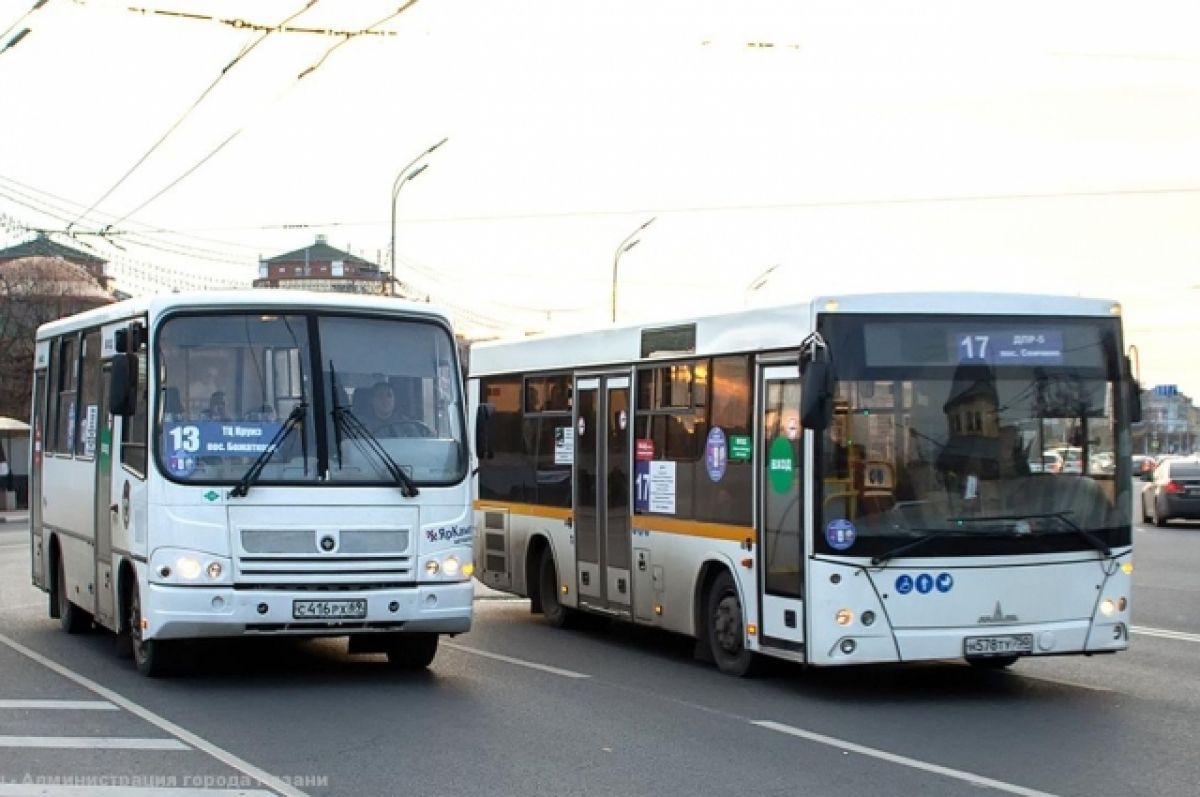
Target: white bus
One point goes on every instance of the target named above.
(253, 462)
(839, 482)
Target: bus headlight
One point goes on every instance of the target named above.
(214, 570)
(432, 567)
(188, 568)
(450, 566)
(844, 617)
(1107, 607)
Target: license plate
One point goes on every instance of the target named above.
(1006, 645)
(330, 610)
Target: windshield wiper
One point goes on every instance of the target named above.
(295, 418)
(1097, 543)
(908, 546)
(346, 421)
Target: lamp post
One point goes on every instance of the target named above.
(403, 177)
(630, 241)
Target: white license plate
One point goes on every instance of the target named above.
(1005, 645)
(330, 610)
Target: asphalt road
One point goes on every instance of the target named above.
(516, 707)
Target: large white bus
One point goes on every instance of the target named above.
(856, 479)
(253, 462)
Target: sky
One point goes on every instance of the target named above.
(784, 150)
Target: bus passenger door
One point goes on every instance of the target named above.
(781, 507)
(105, 606)
(37, 549)
(601, 479)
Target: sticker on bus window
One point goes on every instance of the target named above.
(840, 534)
(715, 454)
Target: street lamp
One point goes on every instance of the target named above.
(629, 242)
(401, 178)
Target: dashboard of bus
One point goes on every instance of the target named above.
(970, 435)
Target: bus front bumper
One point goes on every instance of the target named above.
(935, 644)
(177, 612)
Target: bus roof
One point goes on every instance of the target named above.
(757, 329)
(157, 304)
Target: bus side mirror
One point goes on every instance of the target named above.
(816, 398)
(1135, 393)
(483, 431)
(122, 387)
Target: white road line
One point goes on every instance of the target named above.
(519, 662)
(1164, 633)
(92, 742)
(66, 705)
(883, 755)
(186, 736)
(56, 790)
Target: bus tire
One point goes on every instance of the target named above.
(555, 613)
(993, 662)
(413, 651)
(150, 656)
(726, 632)
(72, 619)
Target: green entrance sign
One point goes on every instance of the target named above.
(740, 447)
(781, 464)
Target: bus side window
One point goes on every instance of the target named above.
(134, 429)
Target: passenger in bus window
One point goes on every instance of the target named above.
(216, 408)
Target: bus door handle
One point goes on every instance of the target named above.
(113, 508)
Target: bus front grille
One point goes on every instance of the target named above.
(328, 569)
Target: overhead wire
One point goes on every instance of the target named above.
(241, 55)
(38, 4)
(312, 68)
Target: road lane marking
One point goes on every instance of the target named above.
(92, 743)
(229, 759)
(1165, 633)
(883, 755)
(66, 705)
(519, 662)
(57, 790)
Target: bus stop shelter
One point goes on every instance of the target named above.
(14, 456)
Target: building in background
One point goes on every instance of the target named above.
(42, 246)
(1169, 423)
(321, 267)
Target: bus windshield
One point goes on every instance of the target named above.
(968, 436)
(228, 382)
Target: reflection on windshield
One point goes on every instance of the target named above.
(229, 380)
(981, 452)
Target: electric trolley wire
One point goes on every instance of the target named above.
(23, 17)
(137, 164)
(308, 71)
(244, 24)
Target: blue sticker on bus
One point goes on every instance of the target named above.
(715, 454)
(840, 534)
(904, 584)
(945, 582)
(924, 583)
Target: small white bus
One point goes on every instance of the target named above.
(837, 482)
(253, 462)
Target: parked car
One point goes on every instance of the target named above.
(1051, 462)
(1173, 493)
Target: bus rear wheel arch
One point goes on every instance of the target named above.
(555, 613)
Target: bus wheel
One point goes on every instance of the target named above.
(726, 635)
(412, 651)
(72, 619)
(555, 613)
(149, 655)
(993, 662)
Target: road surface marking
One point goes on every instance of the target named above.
(92, 742)
(1164, 633)
(957, 774)
(71, 705)
(184, 735)
(519, 662)
(57, 790)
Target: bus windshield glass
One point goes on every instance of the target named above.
(229, 381)
(967, 436)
